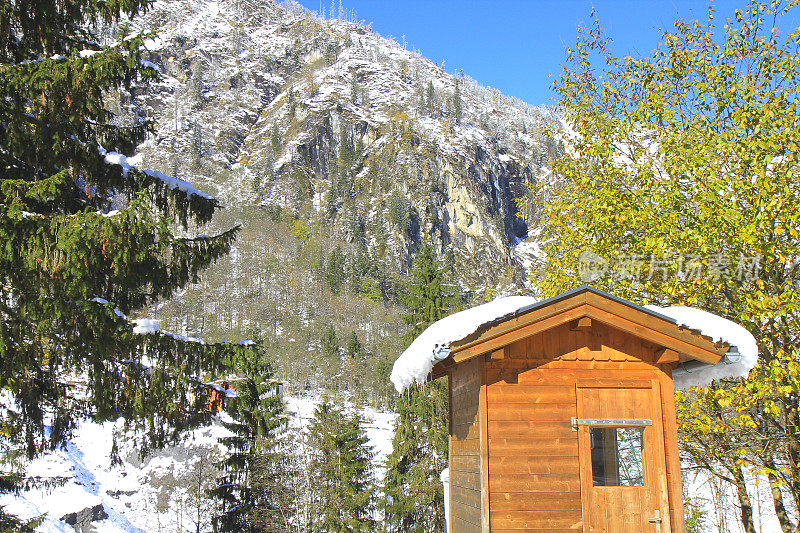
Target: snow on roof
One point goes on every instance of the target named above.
(416, 362)
(719, 330)
(227, 391)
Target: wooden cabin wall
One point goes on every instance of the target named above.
(534, 476)
(465, 457)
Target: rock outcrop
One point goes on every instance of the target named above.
(82, 520)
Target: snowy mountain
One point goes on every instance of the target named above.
(267, 104)
(339, 152)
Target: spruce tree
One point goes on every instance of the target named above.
(335, 269)
(344, 495)
(415, 496)
(330, 343)
(254, 490)
(427, 297)
(355, 350)
(431, 99)
(86, 237)
(457, 104)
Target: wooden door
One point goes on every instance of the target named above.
(621, 457)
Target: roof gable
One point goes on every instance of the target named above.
(595, 304)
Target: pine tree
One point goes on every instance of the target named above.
(431, 99)
(344, 499)
(355, 350)
(330, 344)
(335, 269)
(428, 298)
(253, 492)
(12, 478)
(415, 496)
(457, 104)
(70, 266)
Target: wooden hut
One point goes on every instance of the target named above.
(562, 418)
(220, 390)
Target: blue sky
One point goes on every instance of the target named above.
(514, 44)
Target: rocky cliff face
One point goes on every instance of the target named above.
(348, 143)
(267, 104)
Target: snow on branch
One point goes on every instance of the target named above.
(115, 158)
(151, 326)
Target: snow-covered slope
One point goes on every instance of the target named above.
(340, 152)
(266, 103)
(163, 491)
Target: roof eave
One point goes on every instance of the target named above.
(603, 307)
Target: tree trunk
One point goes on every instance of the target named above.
(793, 446)
(777, 496)
(745, 505)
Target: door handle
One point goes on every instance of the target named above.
(656, 519)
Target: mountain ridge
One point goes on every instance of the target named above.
(340, 152)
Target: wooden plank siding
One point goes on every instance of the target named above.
(465, 453)
(533, 469)
(671, 445)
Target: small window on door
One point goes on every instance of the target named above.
(617, 456)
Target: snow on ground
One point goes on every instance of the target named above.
(378, 425)
(529, 253)
(154, 492)
(126, 492)
(718, 503)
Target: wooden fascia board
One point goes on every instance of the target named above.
(610, 312)
(507, 337)
(442, 368)
(655, 336)
(517, 323)
(436, 372)
(682, 334)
